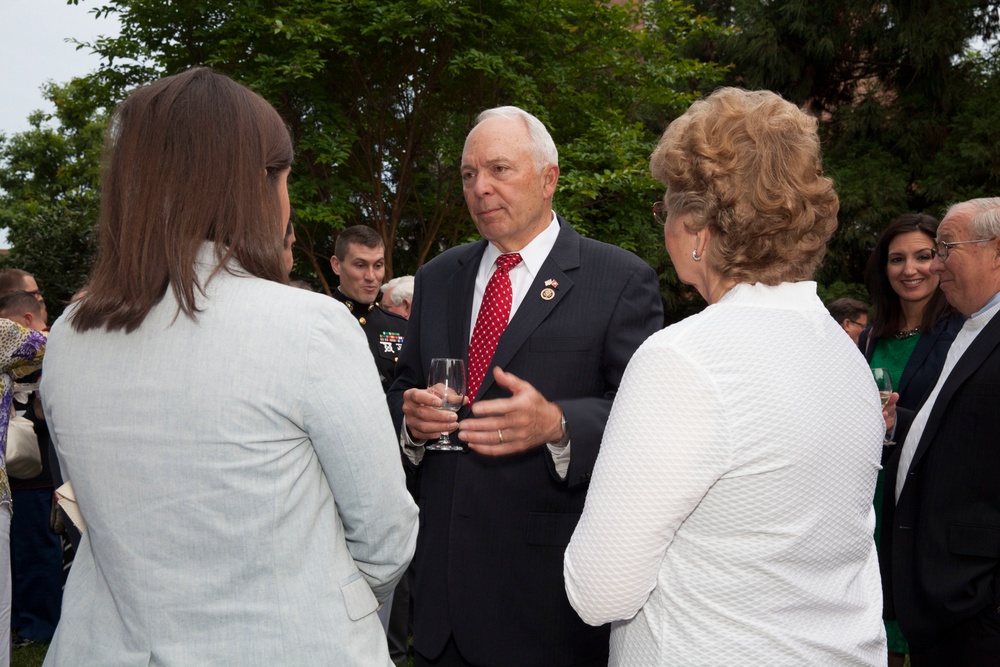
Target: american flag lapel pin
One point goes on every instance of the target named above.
(549, 292)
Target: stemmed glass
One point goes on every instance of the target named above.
(884, 383)
(446, 380)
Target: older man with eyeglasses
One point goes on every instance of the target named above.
(941, 556)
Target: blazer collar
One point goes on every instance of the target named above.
(984, 345)
(920, 351)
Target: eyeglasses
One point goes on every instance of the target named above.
(660, 212)
(35, 293)
(858, 323)
(943, 248)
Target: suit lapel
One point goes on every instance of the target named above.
(459, 296)
(984, 344)
(565, 256)
(916, 360)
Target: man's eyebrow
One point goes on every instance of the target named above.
(491, 161)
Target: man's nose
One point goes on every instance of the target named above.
(482, 186)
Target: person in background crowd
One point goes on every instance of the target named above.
(729, 520)
(940, 555)
(21, 352)
(237, 511)
(13, 280)
(851, 315)
(910, 335)
(25, 309)
(547, 320)
(36, 551)
(359, 262)
(397, 296)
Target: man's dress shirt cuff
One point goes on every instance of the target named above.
(560, 451)
(414, 449)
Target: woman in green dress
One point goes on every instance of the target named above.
(910, 335)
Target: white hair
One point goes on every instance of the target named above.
(984, 219)
(543, 150)
(399, 289)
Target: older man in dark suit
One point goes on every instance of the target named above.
(561, 315)
(942, 553)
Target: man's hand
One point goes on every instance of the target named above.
(510, 425)
(889, 413)
(423, 420)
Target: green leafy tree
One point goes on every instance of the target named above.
(48, 191)
(902, 103)
(379, 95)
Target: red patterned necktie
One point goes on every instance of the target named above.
(491, 321)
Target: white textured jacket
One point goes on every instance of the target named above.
(729, 518)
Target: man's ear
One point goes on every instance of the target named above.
(550, 177)
(335, 264)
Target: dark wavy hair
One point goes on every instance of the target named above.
(189, 158)
(888, 311)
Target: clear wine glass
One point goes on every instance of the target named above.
(884, 383)
(446, 380)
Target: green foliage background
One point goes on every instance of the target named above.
(379, 95)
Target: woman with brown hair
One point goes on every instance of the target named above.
(910, 335)
(237, 512)
(729, 515)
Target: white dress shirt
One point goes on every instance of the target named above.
(533, 256)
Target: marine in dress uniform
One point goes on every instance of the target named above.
(385, 333)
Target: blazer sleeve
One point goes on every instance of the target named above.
(637, 315)
(348, 422)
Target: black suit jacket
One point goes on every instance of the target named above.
(942, 553)
(925, 363)
(493, 529)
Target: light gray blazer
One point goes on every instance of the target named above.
(240, 481)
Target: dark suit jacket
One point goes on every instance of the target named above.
(493, 530)
(925, 363)
(942, 554)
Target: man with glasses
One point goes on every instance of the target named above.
(942, 554)
(851, 315)
(36, 552)
(16, 280)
